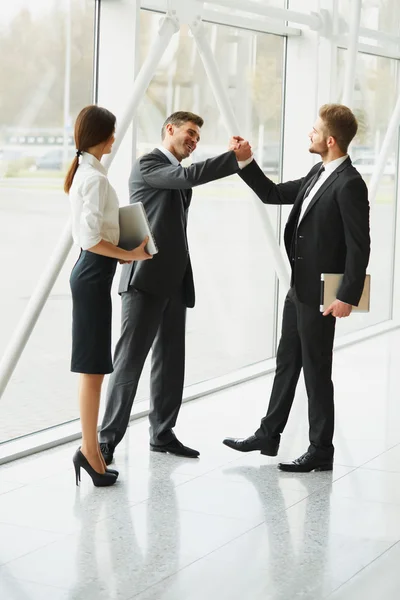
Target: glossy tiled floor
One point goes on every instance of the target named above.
(227, 526)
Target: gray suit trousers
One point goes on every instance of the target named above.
(147, 321)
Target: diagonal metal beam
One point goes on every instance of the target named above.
(232, 127)
(34, 307)
(168, 27)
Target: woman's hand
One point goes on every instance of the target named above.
(140, 253)
(123, 256)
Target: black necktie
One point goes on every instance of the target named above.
(313, 181)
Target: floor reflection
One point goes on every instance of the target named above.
(120, 562)
(297, 556)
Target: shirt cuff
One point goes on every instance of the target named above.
(243, 163)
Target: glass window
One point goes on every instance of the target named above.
(232, 323)
(304, 6)
(40, 99)
(375, 97)
(381, 15)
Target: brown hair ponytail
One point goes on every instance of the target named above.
(71, 174)
(93, 126)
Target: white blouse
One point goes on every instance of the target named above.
(94, 205)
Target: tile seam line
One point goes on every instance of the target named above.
(360, 570)
(46, 585)
(30, 552)
(377, 456)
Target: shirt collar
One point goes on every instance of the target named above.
(169, 155)
(334, 164)
(89, 159)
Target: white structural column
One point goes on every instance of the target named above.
(233, 129)
(168, 27)
(391, 133)
(350, 73)
(67, 81)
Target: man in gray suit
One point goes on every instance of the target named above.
(156, 293)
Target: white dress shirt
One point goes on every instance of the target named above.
(172, 159)
(329, 168)
(94, 205)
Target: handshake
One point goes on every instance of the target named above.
(241, 147)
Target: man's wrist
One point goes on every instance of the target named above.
(243, 163)
(343, 302)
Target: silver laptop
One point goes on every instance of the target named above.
(134, 227)
(330, 283)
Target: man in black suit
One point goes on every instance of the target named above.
(327, 232)
(154, 299)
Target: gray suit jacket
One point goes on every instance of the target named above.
(166, 192)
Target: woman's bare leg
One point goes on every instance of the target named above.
(89, 403)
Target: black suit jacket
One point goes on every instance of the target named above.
(333, 235)
(166, 192)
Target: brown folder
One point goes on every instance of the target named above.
(330, 283)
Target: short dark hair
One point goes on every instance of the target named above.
(93, 125)
(179, 118)
(340, 123)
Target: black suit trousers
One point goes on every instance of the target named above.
(306, 342)
(148, 321)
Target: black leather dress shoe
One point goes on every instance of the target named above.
(306, 463)
(252, 443)
(175, 447)
(107, 451)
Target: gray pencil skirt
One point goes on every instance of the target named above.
(90, 281)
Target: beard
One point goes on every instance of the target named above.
(321, 148)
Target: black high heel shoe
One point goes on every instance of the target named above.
(99, 479)
(113, 471)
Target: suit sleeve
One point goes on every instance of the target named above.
(268, 191)
(354, 209)
(161, 175)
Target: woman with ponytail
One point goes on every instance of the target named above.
(95, 229)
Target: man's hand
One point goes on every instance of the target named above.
(338, 309)
(235, 141)
(241, 147)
